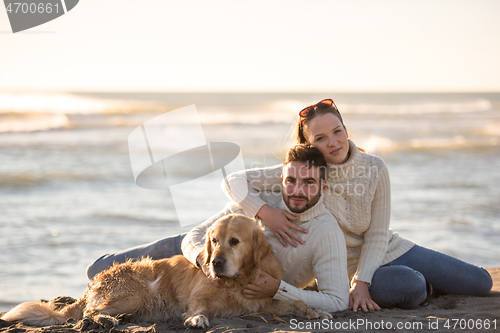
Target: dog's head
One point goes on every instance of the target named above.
(235, 246)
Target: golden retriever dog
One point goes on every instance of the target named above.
(158, 290)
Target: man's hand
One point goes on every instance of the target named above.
(278, 221)
(359, 297)
(264, 286)
(206, 270)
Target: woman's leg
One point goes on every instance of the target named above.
(447, 274)
(164, 248)
(398, 286)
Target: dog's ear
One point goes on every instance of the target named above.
(207, 252)
(261, 247)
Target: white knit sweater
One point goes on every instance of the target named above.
(358, 196)
(323, 256)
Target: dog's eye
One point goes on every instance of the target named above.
(233, 242)
(214, 240)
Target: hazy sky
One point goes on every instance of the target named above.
(147, 45)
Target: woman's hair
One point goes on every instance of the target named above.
(298, 127)
(309, 155)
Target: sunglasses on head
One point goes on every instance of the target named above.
(321, 105)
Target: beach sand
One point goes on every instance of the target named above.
(444, 314)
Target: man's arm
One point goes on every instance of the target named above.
(330, 269)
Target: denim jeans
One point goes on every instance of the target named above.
(402, 282)
(164, 248)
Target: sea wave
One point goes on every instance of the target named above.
(141, 217)
(22, 112)
(28, 179)
(30, 122)
(478, 105)
(28, 112)
(66, 103)
(492, 129)
(375, 144)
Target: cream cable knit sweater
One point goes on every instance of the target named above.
(323, 256)
(358, 196)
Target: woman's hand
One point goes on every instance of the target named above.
(278, 221)
(359, 297)
(264, 286)
(206, 270)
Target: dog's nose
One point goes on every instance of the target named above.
(218, 262)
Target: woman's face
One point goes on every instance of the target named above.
(326, 133)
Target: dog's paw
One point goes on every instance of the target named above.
(198, 321)
(84, 324)
(317, 314)
(107, 322)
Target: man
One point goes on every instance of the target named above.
(323, 253)
(322, 256)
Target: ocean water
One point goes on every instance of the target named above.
(68, 195)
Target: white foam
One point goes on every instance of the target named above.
(32, 122)
(478, 105)
(491, 129)
(376, 143)
(66, 103)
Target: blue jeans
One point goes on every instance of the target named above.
(164, 248)
(402, 282)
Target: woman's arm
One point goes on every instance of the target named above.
(375, 246)
(243, 189)
(377, 235)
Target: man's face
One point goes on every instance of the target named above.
(301, 186)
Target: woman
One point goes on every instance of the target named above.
(385, 270)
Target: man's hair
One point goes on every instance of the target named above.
(309, 155)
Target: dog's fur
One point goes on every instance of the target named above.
(157, 290)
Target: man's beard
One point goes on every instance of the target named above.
(310, 202)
